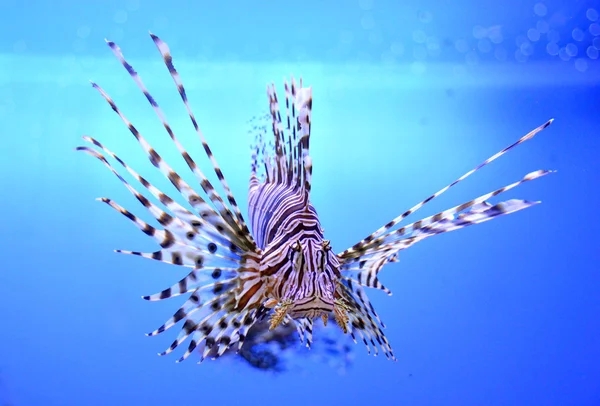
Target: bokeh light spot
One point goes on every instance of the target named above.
(592, 52)
(578, 34)
(581, 64)
(540, 9)
(533, 34)
(552, 48)
(571, 49)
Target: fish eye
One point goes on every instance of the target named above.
(294, 250)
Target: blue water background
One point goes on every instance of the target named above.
(407, 97)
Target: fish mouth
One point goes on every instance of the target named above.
(311, 307)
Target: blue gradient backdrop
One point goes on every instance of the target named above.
(407, 97)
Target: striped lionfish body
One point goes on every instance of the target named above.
(285, 271)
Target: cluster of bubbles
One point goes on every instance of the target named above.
(578, 43)
(552, 35)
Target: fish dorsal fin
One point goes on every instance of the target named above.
(303, 104)
(288, 161)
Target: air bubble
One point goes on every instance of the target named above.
(520, 56)
(540, 9)
(591, 14)
(533, 34)
(594, 29)
(592, 52)
(552, 48)
(479, 32)
(495, 34)
(578, 35)
(562, 54)
(500, 54)
(527, 49)
(520, 40)
(571, 49)
(581, 64)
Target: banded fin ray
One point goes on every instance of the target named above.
(224, 286)
(222, 304)
(288, 162)
(236, 222)
(177, 233)
(363, 320)
(211, 320)
(229, 329)
(363, 268)
(304, 326)
(197, 280)
(165, 52)
(478, 206)
(193, 198)
(361, 244)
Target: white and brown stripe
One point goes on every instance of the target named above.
(285, 268)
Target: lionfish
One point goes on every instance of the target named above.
(284, 271)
